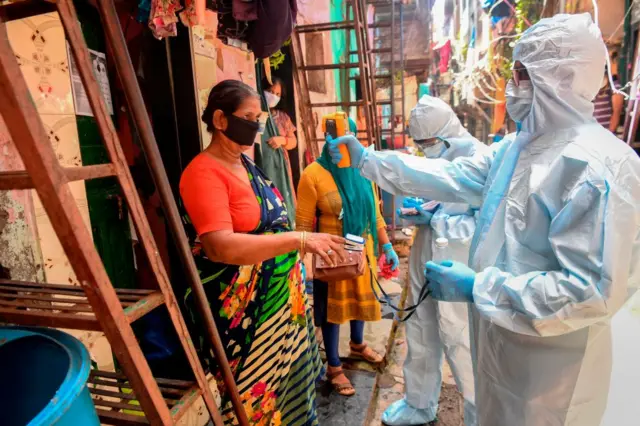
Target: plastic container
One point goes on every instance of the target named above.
(43, 378)
(441, 249)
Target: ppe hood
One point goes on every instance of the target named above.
(434, 117)
(565, 57)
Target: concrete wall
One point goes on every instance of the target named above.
(20, 257)
(610, 16)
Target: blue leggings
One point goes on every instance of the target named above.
(331, 337)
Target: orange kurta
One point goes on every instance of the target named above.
(348, 299)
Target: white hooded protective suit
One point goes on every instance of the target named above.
(437, 329)
(557, 242)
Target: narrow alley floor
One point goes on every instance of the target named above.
(377, 388)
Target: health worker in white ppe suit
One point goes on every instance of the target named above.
(437, 329)
(556, 251)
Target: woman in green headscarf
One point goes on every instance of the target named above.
(344, 203)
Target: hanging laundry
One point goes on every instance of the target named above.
(163, 20)
(144, 10)
(273, 26)
(193, 13)
(228, 26)
(499, 9)
(244, 10)
(444, 51)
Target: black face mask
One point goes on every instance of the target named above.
(241, 131)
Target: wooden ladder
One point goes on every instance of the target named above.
(356, 21)
(95, 305)
(389, 56)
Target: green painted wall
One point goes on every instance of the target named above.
(345, 89)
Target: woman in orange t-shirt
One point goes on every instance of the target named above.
(249, 263)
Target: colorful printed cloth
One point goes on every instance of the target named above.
(265, 325)
(163, 19)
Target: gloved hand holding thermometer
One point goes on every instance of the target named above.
(355, 150)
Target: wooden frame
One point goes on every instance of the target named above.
(96, 304)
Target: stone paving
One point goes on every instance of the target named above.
(377, 388)
(390, 380)
(334, 409)
(390, 387)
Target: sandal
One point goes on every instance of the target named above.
(365, 352)
(344, 389)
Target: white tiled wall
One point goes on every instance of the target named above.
(40, 47)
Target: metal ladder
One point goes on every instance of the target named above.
(95, 305)
(355, 8)
(388, 58)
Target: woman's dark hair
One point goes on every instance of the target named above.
(227, 97)
(274, 80)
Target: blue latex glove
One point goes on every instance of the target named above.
(450, 281)
(356, 150)
(391, 256)
(409, 202)
(422, 218)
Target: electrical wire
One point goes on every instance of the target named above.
(504, 37)
(490, 98)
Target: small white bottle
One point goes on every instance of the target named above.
(441, 250)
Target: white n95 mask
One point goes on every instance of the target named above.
(519, 99)
(272, 100)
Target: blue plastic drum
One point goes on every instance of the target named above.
(43, 378)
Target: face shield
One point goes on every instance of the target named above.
(432, 147)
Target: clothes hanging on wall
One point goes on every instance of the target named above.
(163, 19)
(228, 26)
(444, 52)
(273, 27)
(264, 24)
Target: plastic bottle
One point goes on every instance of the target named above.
(441, 250)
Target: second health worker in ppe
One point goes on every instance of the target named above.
(437, 329)
(557, 241)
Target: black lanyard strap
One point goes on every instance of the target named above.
(385, 299)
